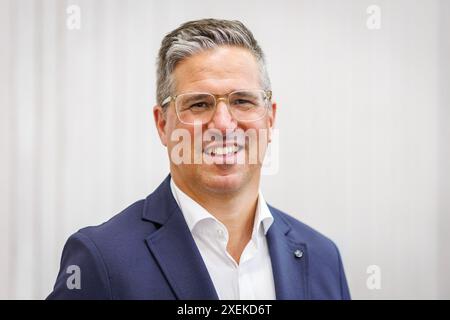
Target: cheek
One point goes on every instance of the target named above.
(173, 129)
(180, 138)
(259, 128)
(257, 139)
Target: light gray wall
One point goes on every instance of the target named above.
(363, 120)
(444, 150)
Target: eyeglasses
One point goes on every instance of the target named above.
(199, 107)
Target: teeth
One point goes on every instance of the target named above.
(220, 151)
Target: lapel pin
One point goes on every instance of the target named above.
(298, 253)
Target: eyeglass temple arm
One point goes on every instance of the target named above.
(166, 101)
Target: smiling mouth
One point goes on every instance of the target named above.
(222, 151)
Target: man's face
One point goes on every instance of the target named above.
(218, 71)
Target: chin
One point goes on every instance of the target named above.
(223, 179)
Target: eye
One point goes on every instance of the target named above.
(242, 101)
(199, 105)
(243, 104)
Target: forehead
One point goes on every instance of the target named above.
(219, 71)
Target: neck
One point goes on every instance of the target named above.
(236, 211)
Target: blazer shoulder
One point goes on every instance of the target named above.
(103, 253)
(127, 223)
(306, 234)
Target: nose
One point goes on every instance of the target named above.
(222, 118)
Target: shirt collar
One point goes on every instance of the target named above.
(194, 212)
(263, 215)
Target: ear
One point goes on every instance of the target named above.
(160, 122)
(271, 119)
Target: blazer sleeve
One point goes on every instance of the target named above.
(83, 273)
(345, 291)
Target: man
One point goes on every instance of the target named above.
(206, 232)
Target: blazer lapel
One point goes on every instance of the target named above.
(289, 261)
(174, 248)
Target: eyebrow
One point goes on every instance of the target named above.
(195, 97)
(219, 94)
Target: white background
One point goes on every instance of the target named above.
(363, 118)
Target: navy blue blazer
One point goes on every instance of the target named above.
(148, 252)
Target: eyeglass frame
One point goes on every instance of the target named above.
(217, 98)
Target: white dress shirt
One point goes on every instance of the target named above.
(252, 278)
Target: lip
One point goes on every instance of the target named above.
(209, 148)
(225, 158)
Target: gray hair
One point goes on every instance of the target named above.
(195, 36)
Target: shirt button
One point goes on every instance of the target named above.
(220, 233)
